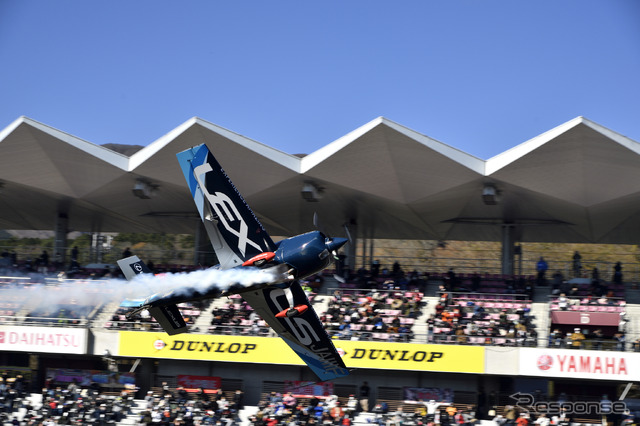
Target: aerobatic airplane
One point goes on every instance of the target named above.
(240, 241)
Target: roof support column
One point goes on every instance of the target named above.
(364, 253)
(60, 240)
(197, 241)
(203, 253)
(508, 248)
(351, 247)
(371, 247)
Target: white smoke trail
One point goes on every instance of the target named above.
(95, 292)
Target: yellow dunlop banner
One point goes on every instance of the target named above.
(266, 350)
(412, 356)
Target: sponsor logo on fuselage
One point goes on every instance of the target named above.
(227, 212)
(305, 333)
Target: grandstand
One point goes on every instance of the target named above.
(490, 334)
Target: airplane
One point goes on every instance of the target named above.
(240, 241)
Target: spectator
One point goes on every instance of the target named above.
(576, 338)
(541, 268)
(557, 281)
(352, 405)
(563, 302)
(510, 414)
(523, 420)
(375, 268)
(451, 280)
(605, 408)
(238, 400)
(289, 400)
(364, 396)
(597, 339)
(74, 253)
(43, 262)
(617, 273)
(542, 420)
(432, 407)
(628, 418)
(499, 419)
(577, 264)
(620, 341)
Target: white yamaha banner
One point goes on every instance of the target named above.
(580, 364)
(44, 339)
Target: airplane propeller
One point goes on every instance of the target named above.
(333, 244)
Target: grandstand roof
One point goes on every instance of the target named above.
(578, 182)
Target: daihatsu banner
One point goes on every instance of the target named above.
(44, 339)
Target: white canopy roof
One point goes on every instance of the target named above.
(578, 182)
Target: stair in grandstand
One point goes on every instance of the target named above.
(204, 321)
(133, 417)
(540, 314)
(632, 326)
(632, 292)
(105, 314)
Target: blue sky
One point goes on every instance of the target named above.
(481, 76)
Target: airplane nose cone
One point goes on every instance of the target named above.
(335, 243)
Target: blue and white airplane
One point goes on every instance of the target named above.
(240, 241)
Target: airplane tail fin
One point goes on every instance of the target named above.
(235, 232)
(168, 316)
(132, 266)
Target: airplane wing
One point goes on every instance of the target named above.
(168, 316)
(235, 232)
(303, 332)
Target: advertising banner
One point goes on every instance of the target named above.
(580, 364)
(265, 350)
(308, 389)
(86, 377)
(412, 356)
(602, 319)
(195, 382)
(44, 339)
(427, 394)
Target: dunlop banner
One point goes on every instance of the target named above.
(266, 350)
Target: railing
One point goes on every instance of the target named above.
(487, 297)
(410, 258)
(43, 321)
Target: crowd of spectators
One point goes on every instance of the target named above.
(143, 321)
(387, 315)
(67, 314)
(464, 319)
(278, 409)
(237, 317)
(59, 405)
(189, 407)
(72, 404)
